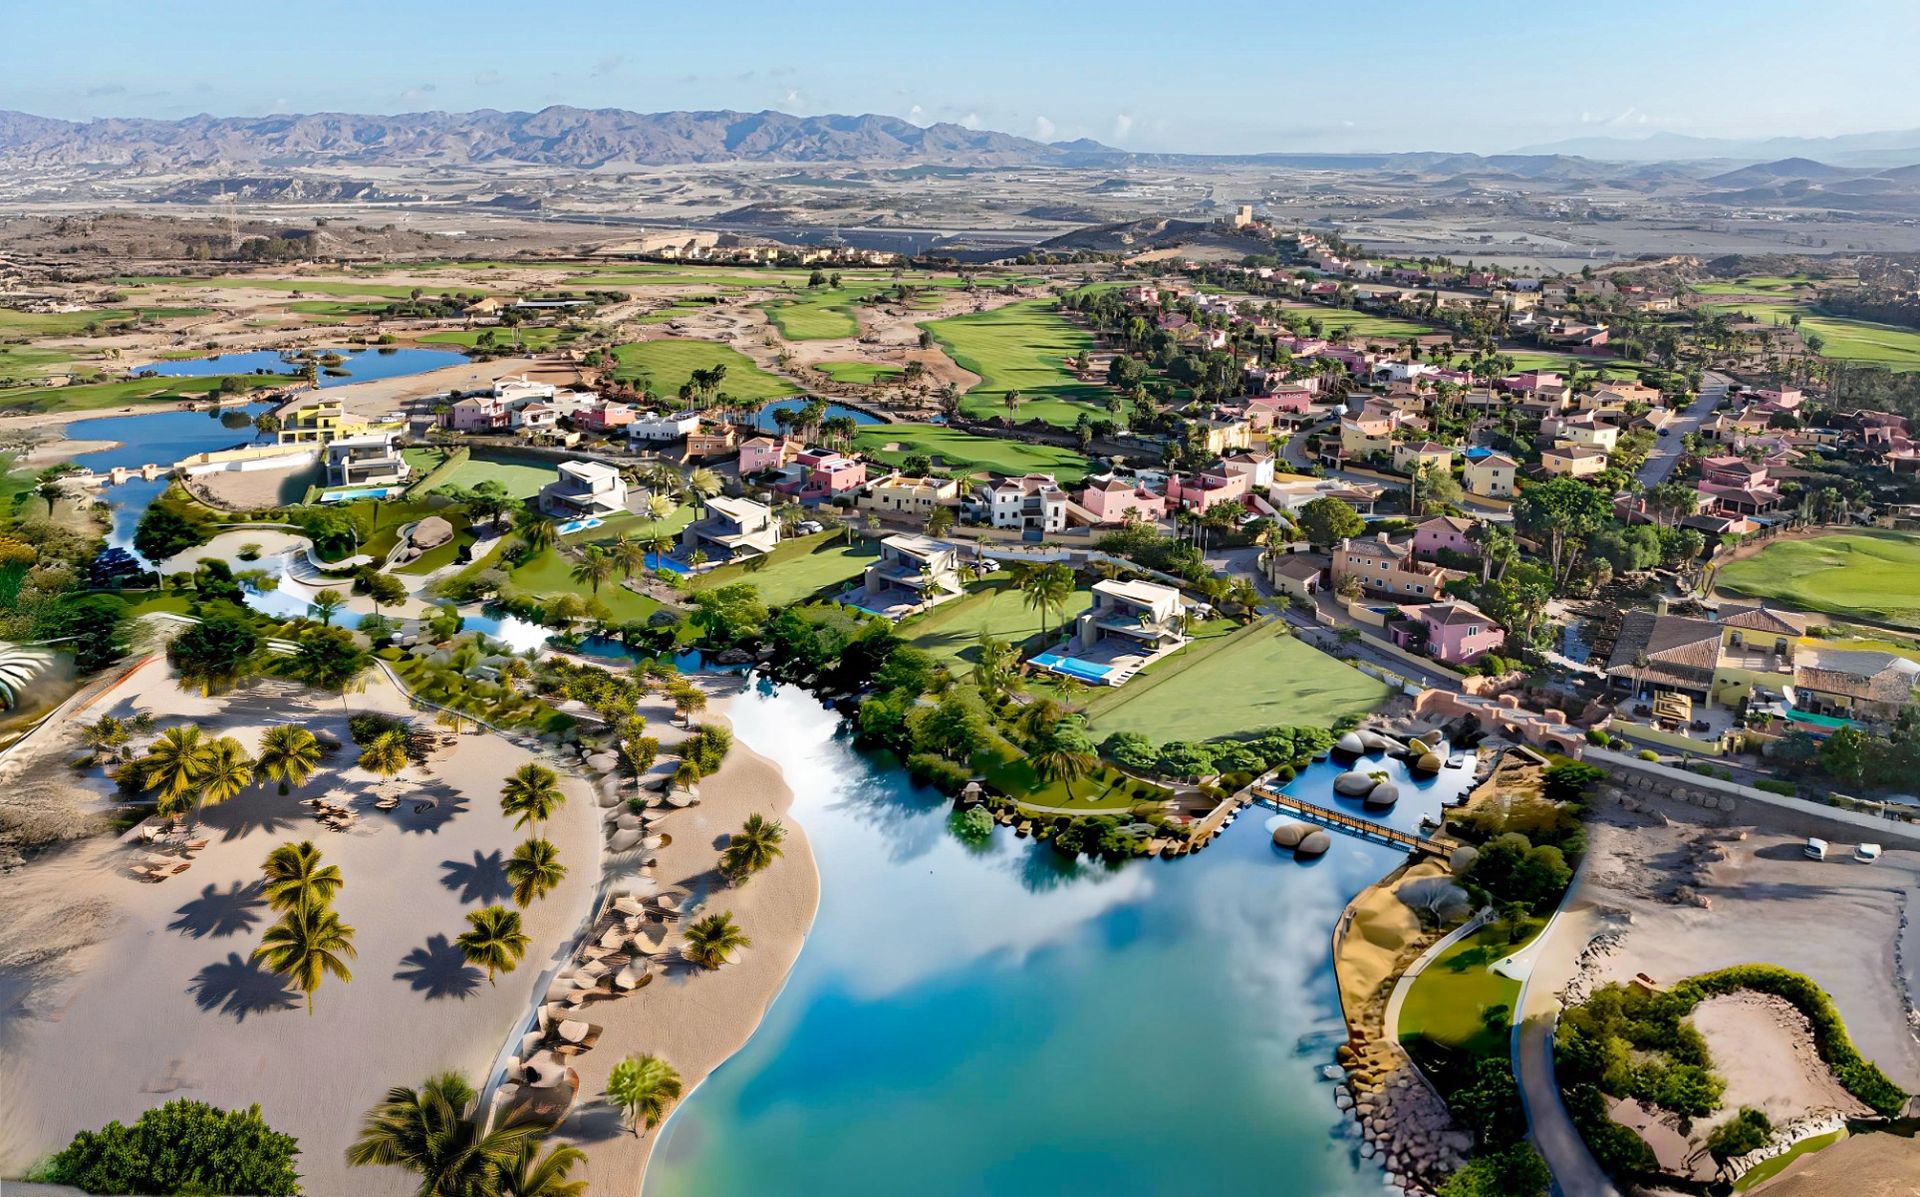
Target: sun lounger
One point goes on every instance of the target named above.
(613, 938)
(633, 976)
(580, 1035)
(592, 970)
(629, 905)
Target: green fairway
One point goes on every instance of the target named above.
(534, 339)
(1843, 339)
(99, 395)
(952, 630)
(523, 479)
(1448, 1001)
(1235, 680)
(1773, 1166)
(859, 373)
(669, 364)
(965, 452)
(1868, 574)
(26, 361)
(1023, 346)
(1610, 369)
(304, 286)
(1365, 325)
(1752, 284)
(817, 314)
(797, 569)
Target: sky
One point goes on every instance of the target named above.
(1201, 77)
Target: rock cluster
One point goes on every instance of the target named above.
(1403, 1125)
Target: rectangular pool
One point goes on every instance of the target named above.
(1086, 671)
(659, 561)
(365, 492)
(572, 526)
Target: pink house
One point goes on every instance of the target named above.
(818, 474)
(604, 418)
(1530, 381)
(1449, 532)
(764, 453)
(1206, 490)
(481, 413)
(1113, 501)
(1452, 631)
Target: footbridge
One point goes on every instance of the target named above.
(1366, 829)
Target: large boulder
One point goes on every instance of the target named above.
(1376, 742)
(1426, 762)
(1383, 795)
(430, 533)
(1353, 784)
(1289, 835)
(1351, 744)
(1314, 843)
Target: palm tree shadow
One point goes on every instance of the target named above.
(219, 913)
(256, 810)
(482, 880)
(240, 987)
(439, 969)
(596, 1123)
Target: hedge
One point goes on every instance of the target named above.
(1856, 1074)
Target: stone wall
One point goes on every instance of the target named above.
(1727, 804)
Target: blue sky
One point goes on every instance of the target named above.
(1482, 75)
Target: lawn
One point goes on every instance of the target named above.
(669, 364)
(818, 313)
(1767, 1169)
(1366, 325)
(69, 324)
(551, 574)
(859, 373)
(531, 338)
(1861, 341)
(304, 286)
(966, 452)
(1448, 1001)
(1866, 574)
(797, 569)
(1235, 680)
(99, 395)
(951, 630)
(1023, 346)
(1610, 369)
(28, 361)
(523, 479)
(1105, 791)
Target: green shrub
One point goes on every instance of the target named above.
(1776, 787)
(1648, 754)
(180, 1147)
(369, 726)
(942, 774)
(1746, 1131)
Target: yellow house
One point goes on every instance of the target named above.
(1224, 436)
(1365, 435)
(1593, 435)
(905, 495)
(1573, 461)
(1491, 477)
(324, 422)
(1756, 649)
(1412, 455)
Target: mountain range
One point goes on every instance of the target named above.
(579, 138)
(1896, 147)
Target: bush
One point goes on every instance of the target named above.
(1856, 1074)
(369, 726)
(1516, 1172)
(942, 774)
(1648, 754)
(1771, 786)
(1749, 1130)
(181, 1147)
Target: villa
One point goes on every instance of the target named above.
(605, 417)
(906, 496)
(1030, 503)
(732, 529)
(1129, 626)
(1112, 500)
(662, 426)
(1491, 476)
(762, 453)
(478, 413)
(1451, 631)
(1860, 685)
(712, 440)
(817, 475)
(323, 421)
(1449, 533)
(1573, 461)
(913, 574)
(371, 459)
(583, 490)
(1389, 570)
(1415, 455)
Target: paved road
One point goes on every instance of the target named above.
(1550, 964)
(1666, 449)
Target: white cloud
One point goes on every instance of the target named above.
(488, 77)
(1043, 128)
(915, 112)
(971, 120)
(1122, 125)
(793, 96)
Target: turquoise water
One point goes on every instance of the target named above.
(1086, 671)
(157, 438)
(362, 365)
(997, 1021)
(764, 421)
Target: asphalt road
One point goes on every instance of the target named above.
(1666, 449)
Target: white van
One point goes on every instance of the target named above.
(1816, 848)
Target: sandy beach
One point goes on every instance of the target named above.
(692, 1018)
(119, 995)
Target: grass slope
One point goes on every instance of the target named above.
(797, 569)
(1023, 346)
(1846, 340)
(951, 630)
(671, 363)
(965, 452)
(1869, 574)
(1449, 999)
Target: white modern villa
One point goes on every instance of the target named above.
(1130, 626)
(367, 459)
(913, 573)
(732, 529)
(584, 490)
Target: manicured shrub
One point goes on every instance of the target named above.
(180, 1147)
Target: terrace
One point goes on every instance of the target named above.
(1130, 626)
(913, 574)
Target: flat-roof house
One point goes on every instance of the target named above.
(908, 497)
(1029, 503)
(584, 489)
(1133, 620)
(732, 529)
(911, 574)
(816, 475)
(370, 459)
(1113, 500)
(662, 426)
(1491, 476)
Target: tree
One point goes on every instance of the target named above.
(1065, 754)
(433, 1133)
(1047, 590)
(296, 880)
(533, 870)
(384, 589)
(940, 521)
(493, 940)
(1516, 1172)
(175, 766)
(643, 1087)
(181, 1147)
(711, 941)
(533, 1175)
(1327, 521)
(289, 754)
(327, 658)
(229, 770)
(1844, 754)
(1561, 512)
(593, 568)
(532, 794)
(385, 754)
(215, 653)
(629, 555)
(306, 946)
(1748, 1130)
(536, 531)
(688, 700)
(325, 605)
(751, 849)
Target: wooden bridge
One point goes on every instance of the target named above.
(1367, 829)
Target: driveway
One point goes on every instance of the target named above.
(1666, 449)
(1549, 965)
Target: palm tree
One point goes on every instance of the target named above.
(751, 849)
(307, 944)
(385, 754)
(1063, 757)
(1047, 590)
(594, 567)
(175, 765)
(659, 507)
(536, 531)
(629, 555)
(703, 484)
(533, 793)
(325, 605)
(229, 771)
(712, 940)
(431, 1133)
(493, 940)
(533, 1175)
(297, 880)
(534, 869)
(288, 754)
(643, 1087)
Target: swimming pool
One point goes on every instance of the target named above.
(1086, 671)
(367, 492)
(572, 526)
(661, 561)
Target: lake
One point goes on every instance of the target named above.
(162, 438)
(362, 365)
(999, 1020)
(763, 419)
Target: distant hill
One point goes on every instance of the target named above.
(579, 138)
(1891, 148)
(1773, 172)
